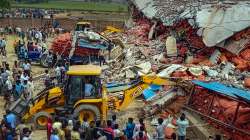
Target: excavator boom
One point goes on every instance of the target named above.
(121, 95)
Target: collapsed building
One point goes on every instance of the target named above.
(206, 43)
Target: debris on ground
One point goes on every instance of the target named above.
(186, 49)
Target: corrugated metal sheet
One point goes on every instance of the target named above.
(225, 90)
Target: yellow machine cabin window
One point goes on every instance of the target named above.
(81, 27)
(82, 87)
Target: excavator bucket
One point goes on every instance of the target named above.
(19, 107)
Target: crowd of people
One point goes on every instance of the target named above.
(29, 13)
(73, 129)
(63, 128)
(17, 82)
(36, 34)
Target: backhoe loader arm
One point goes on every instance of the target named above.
(136, 90)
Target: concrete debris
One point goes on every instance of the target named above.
(234, 46)
(210, 72)
(151, 47)
(229, 67)
(215, 57)
(168, 71)
(171, 46)
(152, 30)
(145, 68)
(130, 74)
(221, 23)
(196, 71)
(197, 48)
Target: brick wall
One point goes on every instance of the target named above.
(65, 23)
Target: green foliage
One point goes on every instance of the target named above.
(4, 4)
(74, 5)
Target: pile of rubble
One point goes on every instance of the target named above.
(158, 46)
(185, 50)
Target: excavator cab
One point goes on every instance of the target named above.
(83, 92)
(82, 26)
(82, 87)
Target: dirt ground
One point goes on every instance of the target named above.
(36, 70)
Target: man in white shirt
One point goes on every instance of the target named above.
(37, 36)
(27, 67)
(9, 84)
(30, 87)
(160, 129)
(24, 77)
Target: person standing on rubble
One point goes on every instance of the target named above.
(182, 124)
(101, 57)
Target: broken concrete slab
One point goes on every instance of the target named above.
(169, 70)
(145, 68)
(152, 30)
(171, 46)
(196, 71)
(130, 74)
(221, 23)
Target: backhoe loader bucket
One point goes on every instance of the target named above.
(19, 107)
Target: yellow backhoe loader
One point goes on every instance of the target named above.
(81, 102)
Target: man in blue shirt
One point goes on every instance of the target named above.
(182, 124)
(88, 88)
(11, 119)
(2, 46)
(18, 88)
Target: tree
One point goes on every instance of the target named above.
(4, 4)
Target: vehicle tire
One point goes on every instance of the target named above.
(91, 112)
(40, 119)
(43, 62)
